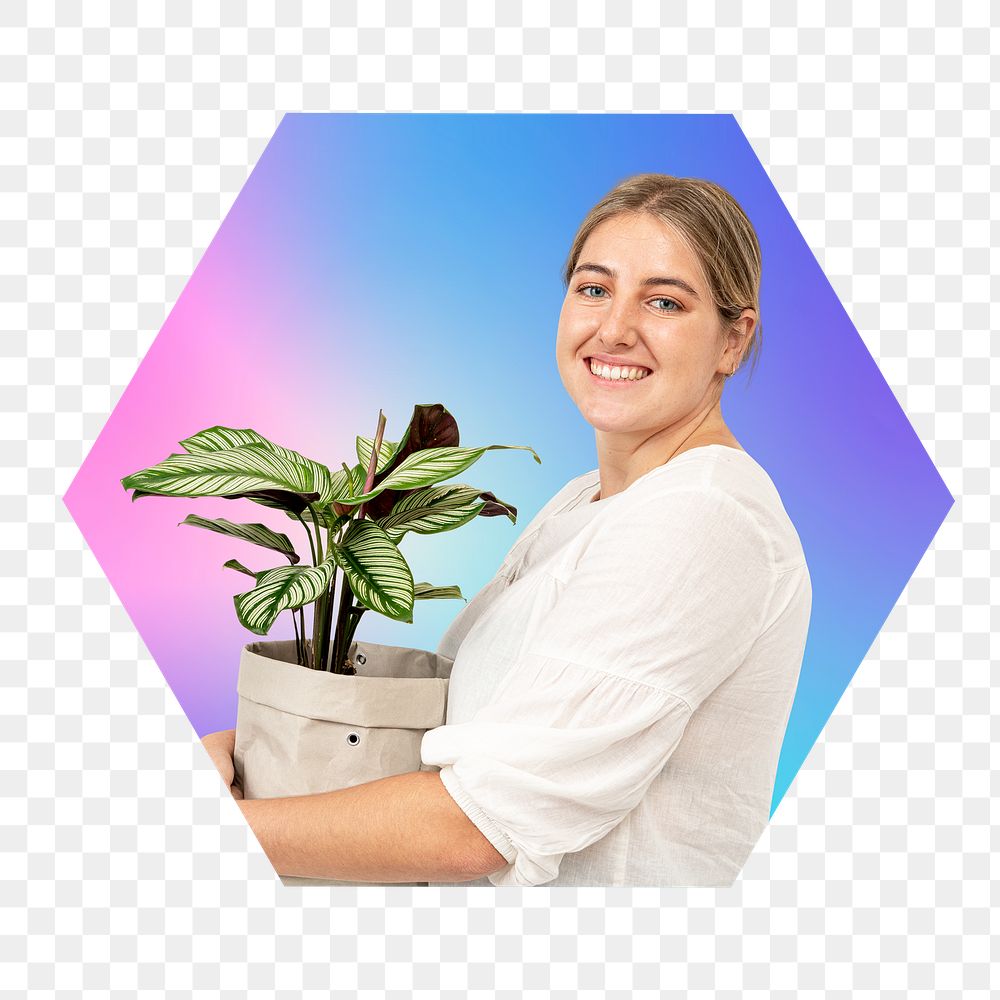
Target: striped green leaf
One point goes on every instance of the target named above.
(239, 567)
(345, 482)
(282, 589)
(223, 438)
(379, 575)
(385, 453)
(328, 517)
(428, 592)
(432, 510)
(341, 483)
(430, 466)
(336, 521)
(356, 479)
(258, 534)
(235, 472)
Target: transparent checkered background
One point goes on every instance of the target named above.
(124, 146)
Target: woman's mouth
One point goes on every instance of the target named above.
(615, 375)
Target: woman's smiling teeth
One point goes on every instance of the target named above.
(615, 373)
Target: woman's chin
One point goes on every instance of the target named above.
(610, 419)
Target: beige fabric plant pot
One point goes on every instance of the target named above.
(300, 731)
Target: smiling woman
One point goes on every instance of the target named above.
(620, 689)
(663, 276)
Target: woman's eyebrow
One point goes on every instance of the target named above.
(658, 280)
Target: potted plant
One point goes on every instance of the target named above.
(323, 710)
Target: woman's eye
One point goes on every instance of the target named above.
(671, 302)
(584, 289)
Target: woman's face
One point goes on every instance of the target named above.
(638, 297)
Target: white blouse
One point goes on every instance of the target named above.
(621, 687)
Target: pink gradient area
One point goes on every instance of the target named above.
(217, 361)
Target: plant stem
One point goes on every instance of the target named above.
(312, 548)
(320, 604)
(343, 635)
(373, 461)
(326, 607)
(338, 626)
(302, 628)
(319, 538)
(344, 630)
(319, 615)
(303, 653)
(298, 650)
(352, 624)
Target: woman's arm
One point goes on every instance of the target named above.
(406, 828)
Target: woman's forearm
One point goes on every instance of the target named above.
(406, 828)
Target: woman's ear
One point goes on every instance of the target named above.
(739, 338)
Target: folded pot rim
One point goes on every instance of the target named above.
(350, 699)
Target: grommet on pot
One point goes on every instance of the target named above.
(360, 658)
(354, 739)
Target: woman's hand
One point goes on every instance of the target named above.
(220, 747)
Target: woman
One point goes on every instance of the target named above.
(621, 687)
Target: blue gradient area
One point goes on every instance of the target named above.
(383, 260)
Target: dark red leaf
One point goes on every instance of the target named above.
(431, 426)
(497, 508)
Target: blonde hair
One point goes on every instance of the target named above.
(712, 223)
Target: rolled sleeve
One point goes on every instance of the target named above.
(487, 827)
(660, 606)
(555, 763)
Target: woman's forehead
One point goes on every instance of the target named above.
(641, 243)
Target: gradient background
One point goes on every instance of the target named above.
(381, 260)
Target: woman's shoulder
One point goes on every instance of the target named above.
(566, 496)
(576, 490)
(733, 483)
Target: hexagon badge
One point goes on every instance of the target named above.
(373, 266)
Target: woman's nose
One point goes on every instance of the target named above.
(618, 325)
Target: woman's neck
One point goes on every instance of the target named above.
(622, 459)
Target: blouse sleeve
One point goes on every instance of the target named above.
(662, 604)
